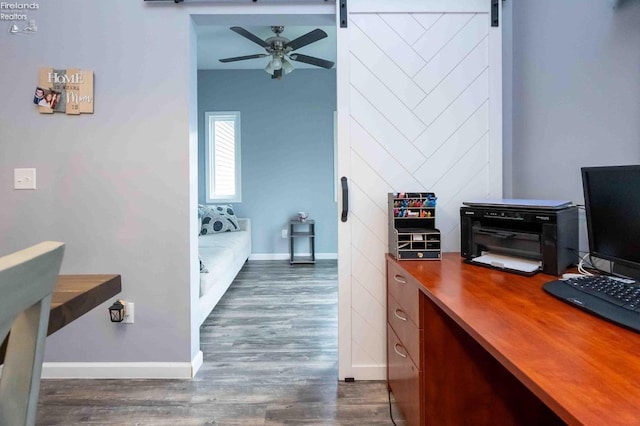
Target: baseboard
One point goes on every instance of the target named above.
(285, 256)
(196, 363)
(373, 372)
(122, 370)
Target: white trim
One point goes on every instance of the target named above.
(336, 182)
(343, 158)
(121, 370)
(369, 372)
(495, 107)
(285, 256)
(290, 11)
(235, 115)
(196, 363)
(417, 6)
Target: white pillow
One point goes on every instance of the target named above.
(218, 218)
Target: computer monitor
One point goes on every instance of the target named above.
(612, 205)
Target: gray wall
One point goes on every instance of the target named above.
(576, 92)
(575, 95)
(507, 99)
(113, 185)
(287, 149)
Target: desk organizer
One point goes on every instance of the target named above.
(412, 231)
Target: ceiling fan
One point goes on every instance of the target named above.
(280, 49)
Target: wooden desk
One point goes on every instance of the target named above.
(494, 348)
(74, 296)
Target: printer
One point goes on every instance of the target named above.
(540, 231)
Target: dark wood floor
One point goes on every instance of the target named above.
(270, 358)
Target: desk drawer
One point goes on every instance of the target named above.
(406, 330)
(405, 289)
(404, 379)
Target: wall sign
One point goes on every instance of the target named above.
(69, 91)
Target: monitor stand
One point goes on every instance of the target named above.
(626, 271)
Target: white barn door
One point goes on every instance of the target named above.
(419, 109)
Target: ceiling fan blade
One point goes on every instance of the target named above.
(254, 38)
(307, 38)
(311, 60)
(242, 58)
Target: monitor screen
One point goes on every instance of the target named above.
(612, 205)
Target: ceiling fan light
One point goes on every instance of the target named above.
(276, 63)
(286, 66)
(269, 68)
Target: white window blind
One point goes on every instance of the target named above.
(223, 156)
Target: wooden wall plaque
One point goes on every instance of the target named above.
(65, 90)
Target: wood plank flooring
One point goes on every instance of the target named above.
(270, 358)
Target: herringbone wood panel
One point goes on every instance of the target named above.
(419, 107)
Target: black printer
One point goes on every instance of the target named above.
(540, 230)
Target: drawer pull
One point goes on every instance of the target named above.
(400, 317)
(400, 279)
(395, 348)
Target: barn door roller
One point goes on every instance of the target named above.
(495, 19)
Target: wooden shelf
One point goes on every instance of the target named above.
(296, 234)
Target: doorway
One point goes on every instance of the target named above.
(287, 129)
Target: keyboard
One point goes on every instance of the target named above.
(611, 298)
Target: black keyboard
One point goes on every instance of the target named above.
(614, 299)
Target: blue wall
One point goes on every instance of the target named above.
(287, 149)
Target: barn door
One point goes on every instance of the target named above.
(419, 109)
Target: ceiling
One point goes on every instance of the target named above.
(218, 41)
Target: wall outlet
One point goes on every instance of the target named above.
(128, 313)
(24, 178)
(285, 233)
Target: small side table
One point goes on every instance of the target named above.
(300, 230)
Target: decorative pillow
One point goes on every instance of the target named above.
(203, 268)
(201, 209)
(216, 219)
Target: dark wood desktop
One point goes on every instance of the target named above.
(472, 345)
(74, 296)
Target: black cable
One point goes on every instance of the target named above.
(390, 411)
(577, 252)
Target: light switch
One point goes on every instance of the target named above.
(24, 178)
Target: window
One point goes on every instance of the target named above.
(222, 156)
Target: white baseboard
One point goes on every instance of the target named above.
(285, 256)
(122, 370)
(196, 363)
(373, 372)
